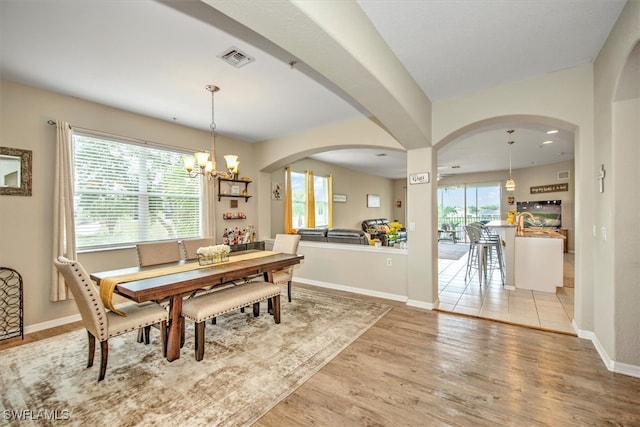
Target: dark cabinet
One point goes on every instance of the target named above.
(246, 246)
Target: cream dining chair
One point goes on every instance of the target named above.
(154, 253)
(100, 323)
(191, 246)
(288, 244)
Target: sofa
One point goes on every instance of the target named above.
(334, 235)
(377, 229)
(313, 234)
(343, 235)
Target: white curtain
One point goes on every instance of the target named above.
(208, 215)
(64, 236)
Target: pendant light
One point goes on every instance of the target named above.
(510, 185)
(201, 163)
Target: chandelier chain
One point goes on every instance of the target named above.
(204, 163)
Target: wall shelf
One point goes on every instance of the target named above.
(245, 196)
(226, 218)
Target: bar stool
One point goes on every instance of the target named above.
(482, 251)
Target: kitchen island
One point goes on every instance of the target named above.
(539, 259)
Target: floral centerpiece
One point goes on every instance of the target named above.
(392, 232)
(208, 255)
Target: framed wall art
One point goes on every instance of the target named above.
(373, 201)
(15, 172)
(340, 198)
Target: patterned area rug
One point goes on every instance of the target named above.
(250, 364)
(453, 251)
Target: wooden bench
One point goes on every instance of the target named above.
(216, 303)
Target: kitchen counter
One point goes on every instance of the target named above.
(540, 232)
(539, 256)
(533, 257)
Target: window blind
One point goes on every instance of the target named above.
(127, 193)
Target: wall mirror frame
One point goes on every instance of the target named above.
(22, 185)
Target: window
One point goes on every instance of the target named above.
(321, 195)
(299, 200)
(463, 204)
(127, 193)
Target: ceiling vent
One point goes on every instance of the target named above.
(235, 57)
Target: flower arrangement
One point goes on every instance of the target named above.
(394, 227)
(213, 254)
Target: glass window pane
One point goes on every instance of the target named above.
(321, 193)
(127, 193)
(299, 200)
(463, 204)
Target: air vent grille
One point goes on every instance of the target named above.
(235, 57)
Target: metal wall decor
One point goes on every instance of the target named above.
(11, 308)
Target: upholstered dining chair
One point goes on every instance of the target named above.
(191, 246)
(100, 323)
(154, 253)
(288, 244)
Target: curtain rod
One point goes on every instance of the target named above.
(112, 135)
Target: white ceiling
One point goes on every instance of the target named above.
(155, 58)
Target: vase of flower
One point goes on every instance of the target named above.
(209, 255)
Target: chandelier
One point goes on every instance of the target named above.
(510, 185)
(199, 163)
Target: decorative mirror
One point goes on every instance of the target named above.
(15, 172)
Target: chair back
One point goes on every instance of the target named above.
(474, 233)
(86, 296)
(191, 246)
(153, 253)
(287, 244)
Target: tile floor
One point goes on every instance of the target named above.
(535, 309)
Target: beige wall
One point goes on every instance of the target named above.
(355, 268)
(355, 185)
(617, 92)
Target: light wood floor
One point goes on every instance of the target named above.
(425, 368)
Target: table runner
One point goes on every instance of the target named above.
(108, 284)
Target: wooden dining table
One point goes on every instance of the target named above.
(175, 286)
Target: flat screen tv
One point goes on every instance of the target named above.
(544, 213)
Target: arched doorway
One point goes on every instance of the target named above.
(460, 292)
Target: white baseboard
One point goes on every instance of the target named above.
(610, 364)
(51, 323)
(360, 291)
(421, 304)
(60, 321)
(625, 369)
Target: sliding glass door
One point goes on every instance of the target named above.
(459, 205)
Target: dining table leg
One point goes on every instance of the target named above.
(268, 277)
(175, 331)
